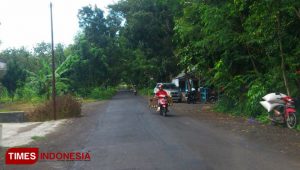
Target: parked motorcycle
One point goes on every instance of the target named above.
(163, 105)
(212, 99)
(212, 96)
(192, 97)
(283, 108)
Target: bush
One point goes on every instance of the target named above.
(66, 106)
(27, 93)
(254, 96)
(4, 95)
(298, 126)
(225, 104)
(102, 93)
(246, 103)
(146, 92)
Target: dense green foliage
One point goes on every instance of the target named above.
(146, 40)
(247, 48)
(102, 93)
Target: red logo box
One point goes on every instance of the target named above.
(22, 155)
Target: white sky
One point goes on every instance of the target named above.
(27, 22)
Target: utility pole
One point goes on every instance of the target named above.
(53, 67)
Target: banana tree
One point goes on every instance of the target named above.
(41, 80)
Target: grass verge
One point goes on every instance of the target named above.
(38, 138)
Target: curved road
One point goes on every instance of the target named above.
(124, 134)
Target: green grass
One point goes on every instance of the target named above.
(17, 106)
(263, 119)
(4, 110)
(38, 138)
(102, 93)
(88, 100)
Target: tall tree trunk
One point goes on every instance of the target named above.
(281, 53)
(252, 61)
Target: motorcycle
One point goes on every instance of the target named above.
(212, 97)
(192, 97)
(283, 108)
(163, 105)
(135, 92)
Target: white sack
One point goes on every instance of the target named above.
(269, 106)
(274, 98)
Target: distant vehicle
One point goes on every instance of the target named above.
(134, 90)
(171, 89)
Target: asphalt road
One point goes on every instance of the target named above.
(124, 134)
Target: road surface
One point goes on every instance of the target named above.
(124, 134)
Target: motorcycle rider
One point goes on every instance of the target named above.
(134, 90)
(160, 93)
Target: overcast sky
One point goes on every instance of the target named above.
(27, 22)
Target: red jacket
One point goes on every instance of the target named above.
(161, 93)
